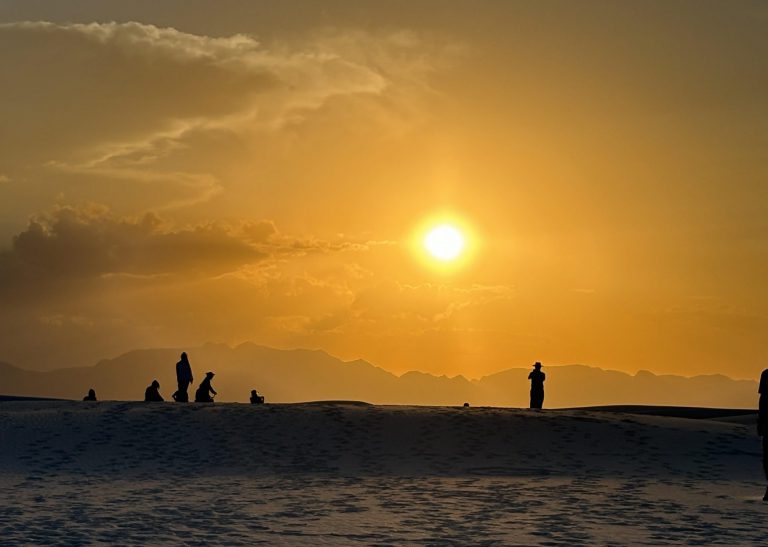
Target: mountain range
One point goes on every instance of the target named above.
(303, 375)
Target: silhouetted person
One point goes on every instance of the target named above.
(203, 393)
(152, 394)
(537, 386)
(183, 378)
(91, 395)
(256, 399)
(762, 422)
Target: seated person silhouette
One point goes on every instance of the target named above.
(152, 394)
(256, 399)
(203, 393)
(91, 395)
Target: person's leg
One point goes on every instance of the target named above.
(765, 456)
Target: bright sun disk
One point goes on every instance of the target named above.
(444, 242)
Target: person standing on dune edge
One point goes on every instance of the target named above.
(537, 386)
(183, 378)
(762, 422)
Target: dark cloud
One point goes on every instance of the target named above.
(75, 243)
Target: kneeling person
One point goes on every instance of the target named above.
(204, 392)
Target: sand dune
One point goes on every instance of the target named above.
(342, 473)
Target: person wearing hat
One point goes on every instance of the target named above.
(204, 392)
(537, 386)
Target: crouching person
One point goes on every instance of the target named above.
(205, 392)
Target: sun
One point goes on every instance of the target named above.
(444, 242)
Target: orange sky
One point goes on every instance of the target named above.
(226, 171)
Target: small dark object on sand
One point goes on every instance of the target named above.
(91, 395)
(256, 399)
(466, 405)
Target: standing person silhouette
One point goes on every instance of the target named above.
(537, 386)
(762, 422)
(183, 378)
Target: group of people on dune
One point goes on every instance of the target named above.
(184, 378)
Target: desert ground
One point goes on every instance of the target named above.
(344, 473)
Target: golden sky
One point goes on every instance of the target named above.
(173, 173)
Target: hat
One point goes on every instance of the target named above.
(537, 365)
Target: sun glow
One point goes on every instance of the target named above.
(444, 242)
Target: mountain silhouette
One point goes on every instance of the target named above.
(303, 375)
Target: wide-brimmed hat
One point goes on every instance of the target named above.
(537, 365)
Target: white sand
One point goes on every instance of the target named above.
(135, 473)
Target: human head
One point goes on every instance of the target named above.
(92, 392)
(209, 375)
(253, 392)
(183, 355)
(155, 383)
(537, 365)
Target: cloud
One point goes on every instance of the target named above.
(119, 101)
(73, 243)
(425, 304)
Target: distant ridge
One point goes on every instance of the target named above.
(314, 375)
